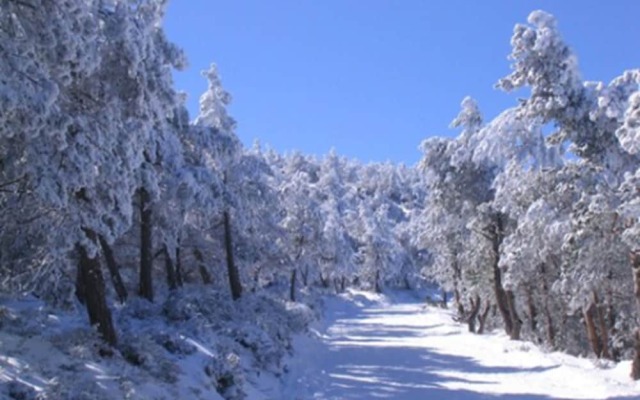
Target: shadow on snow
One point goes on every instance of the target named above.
(364, 359)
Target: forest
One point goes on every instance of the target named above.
(114, 200)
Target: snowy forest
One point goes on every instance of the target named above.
(122, 212)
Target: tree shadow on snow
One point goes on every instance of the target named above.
(407, 373)
(365, 359)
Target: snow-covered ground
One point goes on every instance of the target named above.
(374, 347)
(197, 344)
(366, 347)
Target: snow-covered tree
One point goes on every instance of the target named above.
(303, 220)
(103, 81)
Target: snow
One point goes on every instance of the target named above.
(376, 347)
(366, 346)
(196, 345)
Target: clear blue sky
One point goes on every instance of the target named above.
(372, 78)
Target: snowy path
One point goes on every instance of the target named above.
(369, 348)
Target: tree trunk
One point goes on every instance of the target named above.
(635, 268)
(292, 285)
(146, 250)
(502, 297)
(551, 332)
(377, 286)
(635, 365)
(533, 312)
(473, 314)
(336, 285)
(343, 284)
(179, 274)
(114, 271)
(324, 281)
(172, 282)
(457, 276)
(305, 275)
(458, 300)
(202, 268)
(604, 331)
(592, 334)
(483, 318)
(90, 277)
(516, 323)
(256, 279)
(81, 290)
(232, 269)
(611, 324)
(443, 304)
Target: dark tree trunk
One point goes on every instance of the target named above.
(172, 281)
(611, 313)
(635, 365)
(305, 275)
(604, 331)
(516, 323)
(592, 334)
(551, 332)
(458, 300)
(457, 277)
(635, 268)
(146, 246)
(550, 328)
(502, 297)
(179, 274)
(594, 322)
(482, 319)
(202, 268)
(324, 281)
(81, 290)
(114, 271)
(533, 312)
(336, 285)
(377, 286)
(473, 313)
(343, 284)
(256, 279)
(292, 285)
(444, 299)
(232, 269)
(92, 282)
(611, 320)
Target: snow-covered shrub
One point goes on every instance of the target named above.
(263, 347)
(18, 391)
(202, 304)
(266, 326)
(140, 308)
(76, 387)
(29, 320)
(80, 343)
(143, 351)
(301, 315)
(226, 373)
(174, 344)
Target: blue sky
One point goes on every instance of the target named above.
(373, 78)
